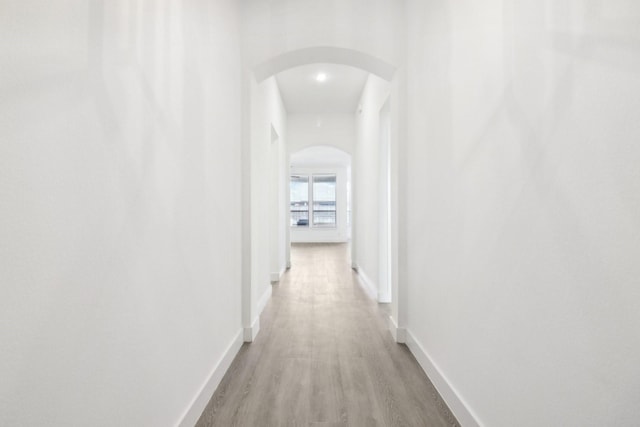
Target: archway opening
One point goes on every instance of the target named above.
(369, 219)
(324, 54)
(320, 195)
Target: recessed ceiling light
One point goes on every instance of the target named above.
(321, 77)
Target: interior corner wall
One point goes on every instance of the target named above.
(523, 206)
(267, 160)
(384, 204)
(366, 170)
(120, 192)
(280, 189)
(282, 185)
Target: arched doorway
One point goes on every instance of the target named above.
(260, 77)
(320, 195)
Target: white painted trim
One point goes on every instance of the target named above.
(384, 297)
(319, 238)
(450, 395)
(275, 277)
(323, 54)
(354, 266)
(367, 284)
(200, 401)
(251, 333)
(399, 334)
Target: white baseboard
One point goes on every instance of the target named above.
(251, 333)
(399, 334)
(367, 284)
(275, 277)
(452, 398)
(319, 236)
(200, 401)
(384, 297)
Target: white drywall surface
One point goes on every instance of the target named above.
(523, 206)
(335, 130)
(268, 203)
(120, 192)
(375, 27)
(367, 191)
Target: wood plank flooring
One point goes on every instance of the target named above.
(324, 357)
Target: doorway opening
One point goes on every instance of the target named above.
(320, 188)
(336, 169)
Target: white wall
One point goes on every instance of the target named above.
(338, 234)
(279, 186)
(268, 205)
(367, 191)
(384, 204)
(280, 254)
(120, 192)
(279, 26)
(523, 206)
(306, 130)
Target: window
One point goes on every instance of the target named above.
(299, 201)
(324, 200)
(314, 199)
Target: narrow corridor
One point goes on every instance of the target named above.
(324, 357)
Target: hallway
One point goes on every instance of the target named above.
(324, 357)
(480, 157)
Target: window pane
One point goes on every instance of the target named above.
(299, 201)
(324, 200)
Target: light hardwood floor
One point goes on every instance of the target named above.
(324, 357)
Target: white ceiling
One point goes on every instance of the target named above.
(328, 156)
(340, 93)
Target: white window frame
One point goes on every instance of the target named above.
(311, 201)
